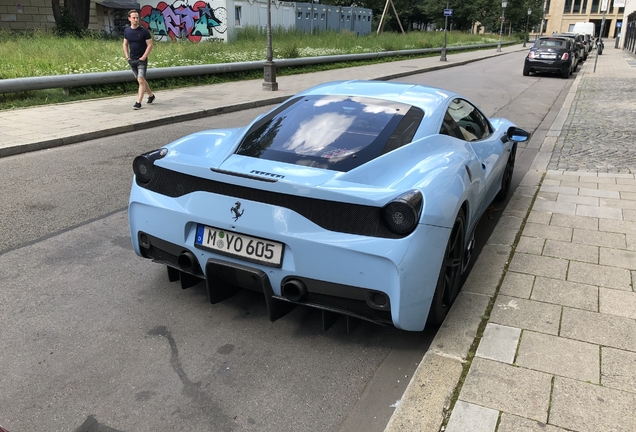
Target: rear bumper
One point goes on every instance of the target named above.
(386, 281)
(550, 66)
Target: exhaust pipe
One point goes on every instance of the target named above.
(186, 261)
(294, 290)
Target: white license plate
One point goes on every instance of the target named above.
(548, 56)
(240, 245)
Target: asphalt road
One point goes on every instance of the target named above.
(95, 338)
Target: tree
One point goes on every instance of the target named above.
(72, 18)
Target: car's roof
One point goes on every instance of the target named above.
(424, 97)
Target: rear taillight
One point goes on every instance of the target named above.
(402, 214)
(565, 56)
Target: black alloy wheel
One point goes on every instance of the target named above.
(506, 180)
(448, 282)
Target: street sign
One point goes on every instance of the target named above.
(448, 12)
(604, 5)
(619, 3)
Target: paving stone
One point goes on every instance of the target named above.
(618, 369)
(539, 265)
(599, 212)
(518, 205)
(626, 181)
(628, 196)
(598, 328)
(618, 188)
(499, 343)
(631, 241)
(475, 418)
(546, 196)
(427, 395)
(457, 334)
(611, 225)
(507, 388)
(604, 190)
(616, 302)
(585, 407)
(551, 182)
(530, 245)
(618, 258)
(547, 232)
(554, 207)
(560, 189)
(539, 217)
(526, 314)
(488, 270)
(578, 199)
(599, 238)
(588, 223)
(513, 423)
(580, 184)
(559, 356)
(618, 203)
(593, 274)
(506, 230)
(517, 285)
(571, 251)
(629, 214)
(576, 295)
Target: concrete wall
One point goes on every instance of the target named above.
(26, 14)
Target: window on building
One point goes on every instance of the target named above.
(300, 15)
(594, 6)
(315, 15)
(348, 17)
(322, 17)
(567, 8)
(576, 8)
(237, 15)
(584, 7)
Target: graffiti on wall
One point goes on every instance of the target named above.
(180, 20)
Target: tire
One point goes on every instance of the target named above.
(449, 280)
(526, 71)
(506, 180)
(565, 74)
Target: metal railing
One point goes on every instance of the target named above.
(13, 85)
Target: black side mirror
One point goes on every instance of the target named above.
(517, 134)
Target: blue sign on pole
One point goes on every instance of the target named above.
(448, 12)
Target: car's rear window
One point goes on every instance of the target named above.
(332, 132)
(551, 43)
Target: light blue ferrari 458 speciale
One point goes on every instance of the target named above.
(359, 198)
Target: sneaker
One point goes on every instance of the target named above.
(137, 105)
(151, 99)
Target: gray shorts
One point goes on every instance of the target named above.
(139, 67)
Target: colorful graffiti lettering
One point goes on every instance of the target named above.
(183, 21)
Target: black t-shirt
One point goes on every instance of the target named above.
(136, 41)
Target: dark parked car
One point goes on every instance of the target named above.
(551, 54)
(581, 42)
(579, 47)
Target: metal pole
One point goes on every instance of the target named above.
(500, 29)
(269, 69)
(527, 22)
(443, 57)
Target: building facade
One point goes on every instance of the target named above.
(561, 15)
(194, 20)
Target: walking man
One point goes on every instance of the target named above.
(137, 47)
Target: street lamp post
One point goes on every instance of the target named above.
(443, 56)
(269, 68)
(504, 3)
(527, 22)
